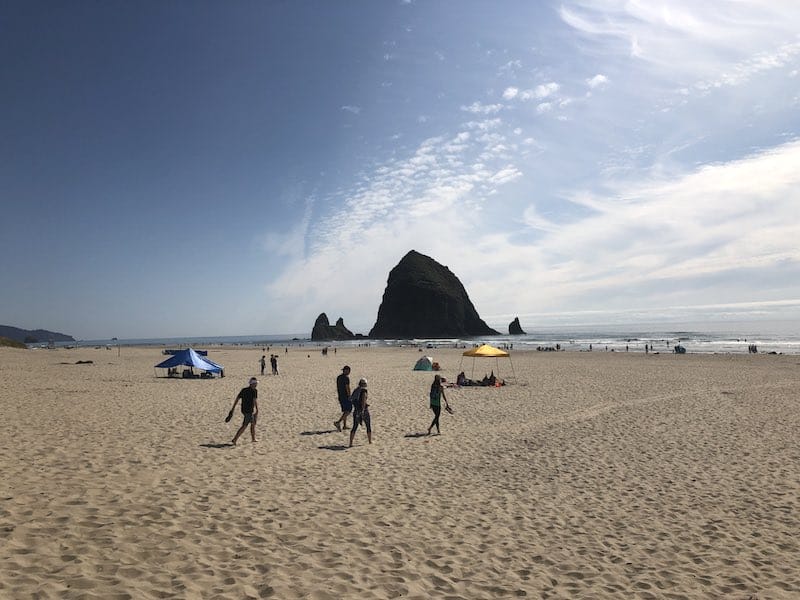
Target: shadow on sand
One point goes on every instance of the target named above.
(417, 435)
(225, 445)
(333, 447)
(320, 432)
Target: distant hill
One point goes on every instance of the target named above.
(33, 336)
(4, 341)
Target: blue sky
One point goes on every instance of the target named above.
(235, 168)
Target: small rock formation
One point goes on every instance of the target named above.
(424, 299)
(324, 331)
(514, 328)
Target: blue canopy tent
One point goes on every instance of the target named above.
(190, 358)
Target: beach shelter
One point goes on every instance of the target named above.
(424, 364)
(487, 351)
(190, 358)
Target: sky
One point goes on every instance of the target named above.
(237, 168)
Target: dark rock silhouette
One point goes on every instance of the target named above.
(514, 328)
(33, 336)
(323, 330)
(424, 299)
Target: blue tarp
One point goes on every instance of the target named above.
(190, 358)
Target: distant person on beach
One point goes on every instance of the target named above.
(360, 411)
(263, 362)
(436, 397)
(273, 359)
(343, 391)
(248, 396)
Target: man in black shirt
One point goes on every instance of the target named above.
(249, 397)
(343, 390)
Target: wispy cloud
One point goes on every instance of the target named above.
(483, 109)
(429, 200)
(352, 109)
(667, 236)
(715, 43)
(661, 238)
(597, 81)
(538, 93)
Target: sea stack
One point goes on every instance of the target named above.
(514, 328)
(424, 299)
(324, 331)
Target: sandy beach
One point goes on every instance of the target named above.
(593, 475)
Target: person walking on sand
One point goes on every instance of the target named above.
(343, 390)
(360, 411)
(273, 359)
(436, 397)
(249, 398)
(263, 363)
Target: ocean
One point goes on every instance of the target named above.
(721, 338)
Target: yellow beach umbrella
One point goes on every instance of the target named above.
(487, 351)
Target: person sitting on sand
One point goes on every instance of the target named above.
(249, 397)
(436, 397)
(462, 380)
(360, 411)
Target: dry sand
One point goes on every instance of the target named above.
(597, 475)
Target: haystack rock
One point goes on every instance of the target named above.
(324, 331)
(424, 299)
(514, 328)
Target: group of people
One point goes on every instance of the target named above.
(273, 361)
(355, 402)
(488, 380)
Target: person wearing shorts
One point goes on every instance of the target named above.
(343, 390)
(249, 398)
(360, 411)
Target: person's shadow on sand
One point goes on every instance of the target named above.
(333, 447)
(417, 435)
(320, 432)
(225, 445)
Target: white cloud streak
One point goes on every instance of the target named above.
(482, 109)
(716, 43)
